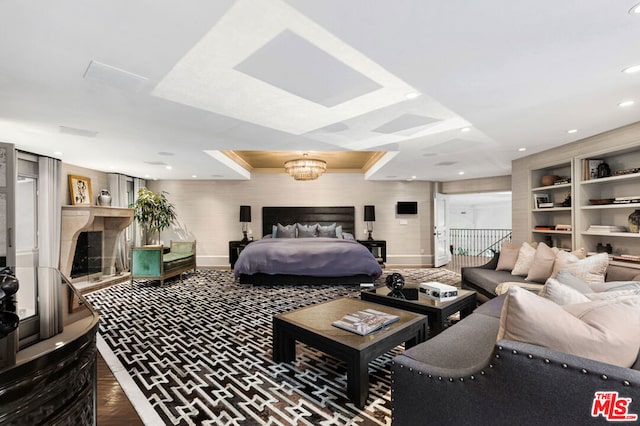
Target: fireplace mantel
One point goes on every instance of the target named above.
(76, 219)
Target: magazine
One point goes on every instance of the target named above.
(366, 321)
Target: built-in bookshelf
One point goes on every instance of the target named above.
(607, 199)
(551, 194)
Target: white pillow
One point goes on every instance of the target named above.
(562, 294)
(591, 270)
(525, 259)
(604, 330)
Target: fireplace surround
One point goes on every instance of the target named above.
(110, 221)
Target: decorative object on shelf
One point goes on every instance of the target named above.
(567, 201)
(600, 201)
(626, 171)
(305, 168)
(80, 190)
(104, 199)
(245, 218)
(634, 221)
(541, 201)
(370, 217)
(395, 282)
(603, 170)
(153, 212)
(601, 248)
(549, 180)
(562, 180)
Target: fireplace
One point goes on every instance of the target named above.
(102, 227)
(87, 259)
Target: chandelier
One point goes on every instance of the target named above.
(305, 168)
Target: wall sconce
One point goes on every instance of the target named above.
(245, 218)
(370, 217)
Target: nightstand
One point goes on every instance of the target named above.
(235, 247)
(378, 249)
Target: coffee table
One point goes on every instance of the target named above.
(311, 325)
(437, 312)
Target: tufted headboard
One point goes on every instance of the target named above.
(344, 216)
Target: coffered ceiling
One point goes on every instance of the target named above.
(421, 89)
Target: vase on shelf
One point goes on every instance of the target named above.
(634, 221)
(104, 199)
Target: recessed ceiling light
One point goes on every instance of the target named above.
(635, 10)
(146, 176)
(631, 70)
(412, 95)
(460, 173)
(194, 176)
(626, 103)
(572, 131)
(413, 177)
(168, 167)
(465, 129)
(522, 149)
(58, 153)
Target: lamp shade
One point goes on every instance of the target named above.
(245, 213)
(369, 213)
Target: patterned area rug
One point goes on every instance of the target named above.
(199, 353)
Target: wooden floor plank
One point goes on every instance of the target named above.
(114, 407)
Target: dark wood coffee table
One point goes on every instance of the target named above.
(437, 312)
(312, 325)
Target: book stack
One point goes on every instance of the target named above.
(365, 322)
(624, 200)
(606, 228)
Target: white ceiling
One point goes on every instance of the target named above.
(135, 86)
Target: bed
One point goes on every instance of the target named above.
(307, 245)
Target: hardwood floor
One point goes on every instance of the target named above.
(114, 407)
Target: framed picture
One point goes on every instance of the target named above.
(80, 190)
(539, 200)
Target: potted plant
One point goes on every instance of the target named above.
(153, 211)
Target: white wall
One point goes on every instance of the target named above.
(208, 211)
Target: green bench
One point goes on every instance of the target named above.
(153, 263)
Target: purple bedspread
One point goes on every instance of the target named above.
(318, 257)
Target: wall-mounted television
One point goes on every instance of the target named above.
(407, 207)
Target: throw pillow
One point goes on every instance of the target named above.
(525, 259)
(606, 331)
(328, 231)
(615, 286)
(288, 231)
(542, 265)
(567, 278)
(503, 288)
(591, 269)
(306, 231)
(562, 294)
(508, 256)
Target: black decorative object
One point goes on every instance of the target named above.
(370, 217)
(245, 218)
(9, 321)
(395, 282)
(634, 221)
(604, 170)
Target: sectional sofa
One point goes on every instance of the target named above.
(476, 372)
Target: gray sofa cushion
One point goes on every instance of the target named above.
(488, 279)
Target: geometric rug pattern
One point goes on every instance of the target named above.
(200, 352)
